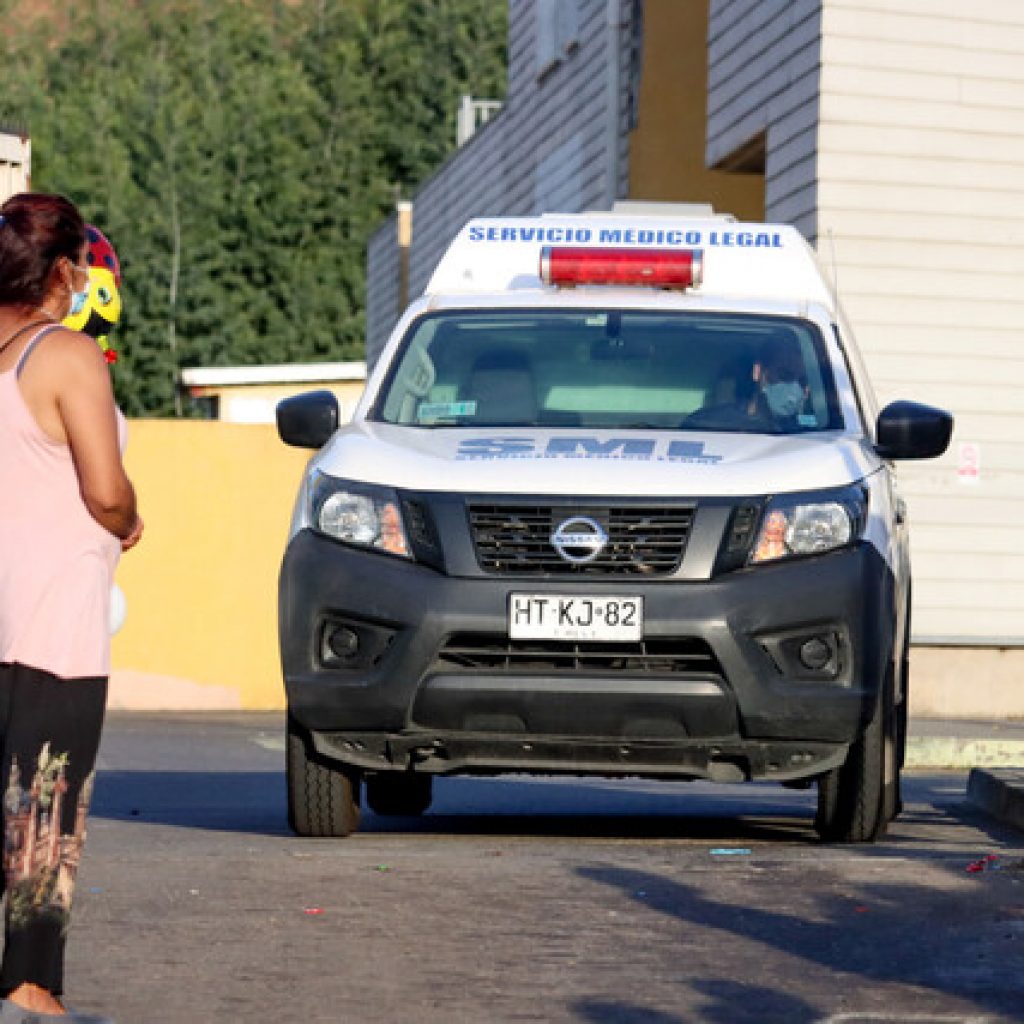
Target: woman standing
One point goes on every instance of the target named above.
(67, 511)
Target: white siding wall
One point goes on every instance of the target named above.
(763, 62)
(921, 184)
(547, 149)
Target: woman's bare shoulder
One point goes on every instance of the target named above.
(73, 347)
(67, 359)
(74, 341)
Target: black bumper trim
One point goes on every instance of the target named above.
(488, 754)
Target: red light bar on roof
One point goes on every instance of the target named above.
(655, 268)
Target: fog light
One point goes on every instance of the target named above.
(347, 645)
(343, 642)
(816, 653)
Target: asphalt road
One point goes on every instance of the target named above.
(526, 900)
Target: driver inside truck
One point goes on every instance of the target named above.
(769, 397)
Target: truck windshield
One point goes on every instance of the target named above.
(614, 369)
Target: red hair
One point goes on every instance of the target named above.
(36, 229)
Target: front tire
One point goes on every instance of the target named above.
(857, 800)
(323, 797)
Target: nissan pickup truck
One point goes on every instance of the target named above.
(618, 501)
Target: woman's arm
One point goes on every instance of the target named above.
(85, 403)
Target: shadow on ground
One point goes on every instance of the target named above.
(252, 802)
(255, 802)
(724, 997)
(963, 949)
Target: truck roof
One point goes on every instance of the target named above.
(768, 262)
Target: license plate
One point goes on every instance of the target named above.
(575, 617)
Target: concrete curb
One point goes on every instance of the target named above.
(996, 763)
(999, 792)
(954, 752)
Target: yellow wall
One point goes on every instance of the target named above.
(666, 157)
(201, 587)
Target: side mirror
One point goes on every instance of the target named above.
(308, 420)
(907, 430)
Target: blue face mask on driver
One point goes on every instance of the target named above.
(784, 398)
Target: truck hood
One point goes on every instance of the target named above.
(654, 463)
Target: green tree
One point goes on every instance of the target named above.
(239, 157)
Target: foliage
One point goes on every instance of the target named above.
(239, 155)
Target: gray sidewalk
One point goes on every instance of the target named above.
(992, 750)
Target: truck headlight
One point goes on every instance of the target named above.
(364, 515)
(796, 525)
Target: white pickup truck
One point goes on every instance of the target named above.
(617, 501)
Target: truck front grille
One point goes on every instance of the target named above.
(643, 540)
(652, 656)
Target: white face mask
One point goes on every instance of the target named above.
(785, 397)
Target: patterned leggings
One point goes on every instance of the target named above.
(49, 735)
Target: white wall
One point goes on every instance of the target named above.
(921, 185)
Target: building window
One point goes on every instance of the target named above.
(558, 30)
(470, 116)
(204, 407)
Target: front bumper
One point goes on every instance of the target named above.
(731, 703)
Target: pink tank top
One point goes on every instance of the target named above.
(56, 562)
